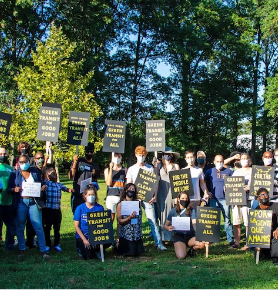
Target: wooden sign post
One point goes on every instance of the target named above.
(259, 230)
(180, 180)
(100, 229)
(208, 225)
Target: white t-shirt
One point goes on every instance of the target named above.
(247, 176)
(196, 175)
(133, 170)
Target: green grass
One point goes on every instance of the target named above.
(224, 268)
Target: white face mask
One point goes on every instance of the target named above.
(276, 158)
(90, 198)
(189, 161)
(219, 166)
(267, 161)
(117, 160)
(244, 163)
(140, 159)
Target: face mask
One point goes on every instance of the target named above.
(117, 160)
(140, 159)
(264, 201)
(3, 159)
(24, 166)
(89, 156)
(40, 162)
(238, 164)
(244, 163)
(276, 159)
(167, 157)
(184, 203)
(201, 160)
(219, 166)
(189, 161)
(23, 151)
(267, 161)
(90, 198)
(130, 193)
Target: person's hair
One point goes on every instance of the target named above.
(260, 190)
(140, 150)
(126, 187)
(90, 147)
(177, 205)
(50, 169)
(87, 189)
(248, 157)
(25, 156)
(26, 145)
(39, 152)
(188, 152)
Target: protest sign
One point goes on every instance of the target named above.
(146, 183)
(49, 124)
(208, 224)
(180, 180)
(31, 189)
(181, 223)
(262, 176)
(84, 183)
(128, 207)
(5, 124)
(235, 193)
(259, 228)
(78, 128)
(100, 227)
(155, 135)
(114, 137)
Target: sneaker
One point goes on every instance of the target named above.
(58, 249)
(15, 242)
(45, 256)
(161, 247)
(47, 249)
(275, 262)
(235, 246)
(231, 244)
(192, 253)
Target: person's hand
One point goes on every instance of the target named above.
(275, 234)
(154, 162)
(87, 244)
(171, 228)
(71, 190)
(246, 187)
(111, 165)
(207, 195)
(17, 189)
(152, 200)
(237, 156)
(75, 158)
(44, 187)
(133, 215)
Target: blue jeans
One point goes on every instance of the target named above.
(226, 212)
(150, 214)
(9, 220)
(25, 207)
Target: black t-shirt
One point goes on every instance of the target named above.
(84, 170)
(274, 207)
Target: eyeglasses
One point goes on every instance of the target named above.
(40, 157)
(90, 152)
(263, 195)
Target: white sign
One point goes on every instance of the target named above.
(128, 207)
(84, 183)
(31, 189)
(181, 223)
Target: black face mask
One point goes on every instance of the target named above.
(23, 151)
(3, 159)
(184, 203)
(130, 193)
(238, 164)
(88, 156)
(201, 160)
(264, 201)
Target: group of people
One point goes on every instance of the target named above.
(18, 211)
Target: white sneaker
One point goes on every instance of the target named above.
(161, 247)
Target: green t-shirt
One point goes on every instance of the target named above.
(5, 171)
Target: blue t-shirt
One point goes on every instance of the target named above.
(215, 181)
(173, 213)
(80, 215)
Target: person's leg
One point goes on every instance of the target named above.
(227, 217)
(9, 220)
(245, 211)
(36, 220)
(77, 200)
(56, 226)
(150, 214)
(1, 229)
(22, 212)
(86, 253)
(237, 219)
(180, 250)
(30, 233)
(47, 224)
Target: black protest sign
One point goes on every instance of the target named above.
(146, 183)
(155, 135)
(49, 124)
(259, 228)
(235, 193)
(208, 224)
(114, 137)
(180, 180)
(78, 128)
(5, 124)
(262, 176)
(100, 227)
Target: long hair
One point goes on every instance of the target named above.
(126, 187)
(177, 206)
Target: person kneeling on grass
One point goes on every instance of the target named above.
(182, 239)
(131, 237)
(81, 225)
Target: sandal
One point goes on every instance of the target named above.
(235, 246)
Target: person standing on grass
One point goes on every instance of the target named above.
(86, 250)
(131, 236)
(132, 172)
(82, 169)
(26, 205)
(52, 214)
(182, 239)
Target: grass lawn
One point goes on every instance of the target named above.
(224, 268)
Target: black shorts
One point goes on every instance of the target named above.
(182, 238)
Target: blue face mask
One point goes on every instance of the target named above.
(201, 160)
(167, 157)
(24, 166)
